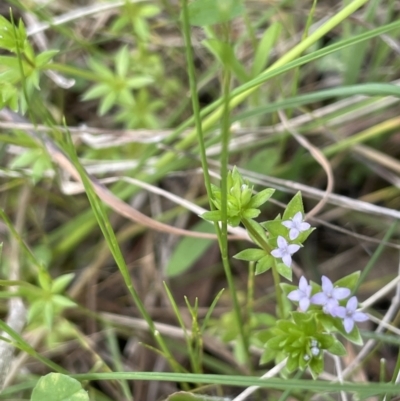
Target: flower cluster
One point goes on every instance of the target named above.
(329, 298)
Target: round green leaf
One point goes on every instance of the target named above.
(58, 387)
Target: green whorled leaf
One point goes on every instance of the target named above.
(263, 319)
(213, 215)
(303, 236)
(288, 288)
(264, 264)
(316, 366)
(264, 335)
(58, 387)
(337, 348)
(189, 250)
(250, 255)
(292, 363)
(326, 340)
(327, 321)
(63, 302)
(260, 198)
(287, 326)
(107, 102)
(276, 228)
(349, 281)
(301, 319)
(45, 57)
(250, 213)
(284, 271)
(234, 221)
(61, 283)
(122, 60)
(210, 12)
(267, 356)
(354, 336)
(277, 343)
(294, 206)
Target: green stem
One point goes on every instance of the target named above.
(264, 245)
(223, 239)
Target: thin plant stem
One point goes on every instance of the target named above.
(275, 274)
(223, 240)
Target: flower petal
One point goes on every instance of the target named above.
(292, 248)
(304, 304)
(360, 317)
(304, 226)
(277, 253)
(282, 243)
(348, 324)
(298, 217)
(327, 285)
(339, 311)
(319, 299)
(340, 293)
(303, 284)
(331, 306)
(295, 295)
(287, 223)
(352, 304)
(287, 260)
(293, 233)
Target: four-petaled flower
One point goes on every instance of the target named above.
(349, 314)
(285, 250)
(302, 295)
(329, 297)
(296, 225)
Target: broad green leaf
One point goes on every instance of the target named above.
(58, 387)
(189, 250)
(63, 302)
(210, 12)
(250, 255)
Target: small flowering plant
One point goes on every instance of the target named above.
(323, 310)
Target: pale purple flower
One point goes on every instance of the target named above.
(350, 315)
(285, 251)
(296, 225)
(329, 297)
(302, 295)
